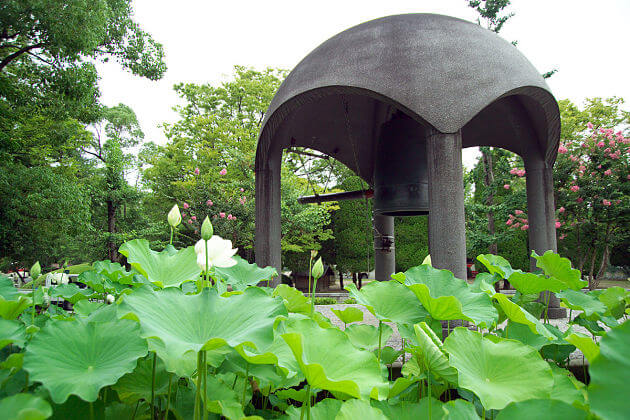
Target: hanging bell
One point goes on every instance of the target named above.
(401, 186)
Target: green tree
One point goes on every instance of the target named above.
(207, 166)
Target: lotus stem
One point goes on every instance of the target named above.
(308, 402)
(207, 268)
(91, 411)
(153, 385)
(380, 334)
(245, 384)
(313, 296)
(197, 414)
(429, 390)
(171, 241)
(168, 396)
(310, 268)
(547, 298)
(205, 385)
(135, 411)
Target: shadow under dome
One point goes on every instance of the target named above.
(443, 72)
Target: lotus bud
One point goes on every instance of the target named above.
(206, 229)
(318, 268)
(110, 299)
(36, 270)
(427, 260)
(174, 217)
(313, 253)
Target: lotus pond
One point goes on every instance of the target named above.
(174, 343)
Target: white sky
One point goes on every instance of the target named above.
(586, 40)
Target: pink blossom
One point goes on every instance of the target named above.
(186, 205)
(601, 144)
(521, 173)
(196, 231)
(561, 237)
(558, 224)
(628, 176)
(506, 186)
(517, 212)
(209, 203)
(196, 171)
(517, 224)
(222, 215)
(242, 189)
(229, 217)
(194, 217)
(611, 143)
(223, 171)
(561, 210)
(189, 222)
(606, 202)
(582, 168)
(524, 227)
(579, 199)
(573, 158)
(599, 166)
(183, 214)
(562, 149)
(509, 222)
(589, 125)
(617, 201)
(619, 135)
(575, 188)
(607, 172)
(513, 171)
(511, 216)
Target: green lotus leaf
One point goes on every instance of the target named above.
(406, 410)
(25, 407)
(326, 409)
(530, 283)
(388, 355)
(365, 336)
(11, 309)
(136, 385)
(114, 272)
(268, 376)
(222, 399)
(401, 384)
(294, 300)
(7, 290)
(459, 410)
(522, 333)
(609, 388)
(389, 301)
(498, 373)
(84, 308)
(519, 315)
(168, 268)
(587, 346)
(11, 332)
(76, 408)
(244, 274)
(348, 370)
(177, 324)
(560, 269)
(359, 409)
(565, 387)
(577, 300)
(71, 292)
(431, 353)
(496, 265)
(484, 283)
(100, 283)
(541, 409)
(447, 298)
(591, 325)
(81, 357)
(615, 300)
(349, 315)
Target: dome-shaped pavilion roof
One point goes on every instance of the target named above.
(444, 72)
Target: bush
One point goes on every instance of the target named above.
(325, 301)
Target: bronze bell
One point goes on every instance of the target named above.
(401, 186)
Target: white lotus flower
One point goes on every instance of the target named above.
(220, 252)
(59, 278)
(110, 299)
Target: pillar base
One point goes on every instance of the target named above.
(556, 313)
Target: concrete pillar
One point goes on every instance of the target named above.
(542, 221)
(536, 208)
(447, 228)
(268, 232)
(384, 247)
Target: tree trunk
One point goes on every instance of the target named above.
(341, 280)
(488, 181)
(591, 280)
(111, 228)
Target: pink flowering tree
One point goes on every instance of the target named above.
(592, 185)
